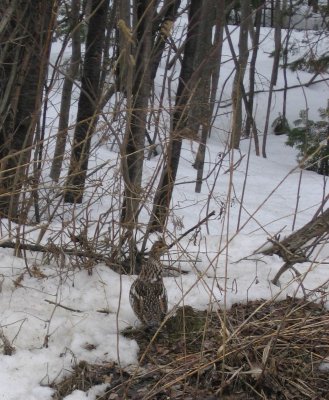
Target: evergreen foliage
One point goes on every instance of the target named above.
(311, 64)
(311, 139)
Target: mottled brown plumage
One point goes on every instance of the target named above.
(148, 295)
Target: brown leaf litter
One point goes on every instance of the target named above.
(258, 350)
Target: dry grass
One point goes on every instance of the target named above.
(271, 350)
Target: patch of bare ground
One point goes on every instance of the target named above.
(259, 350)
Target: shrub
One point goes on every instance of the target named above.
(311, 139)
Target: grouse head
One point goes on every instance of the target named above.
(158, 248)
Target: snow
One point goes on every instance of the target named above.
(220, 260)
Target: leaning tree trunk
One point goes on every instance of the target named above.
(295, 244)
(71, 74)
(25, 39)
(88, 103)
(296, 247)
(165, 188)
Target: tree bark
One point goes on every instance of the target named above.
(203, 51)
(201, 100)
(25, 40)
(88, 103)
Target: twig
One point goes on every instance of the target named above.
(236, 164)
(65, 307)
(191, 229)
(320, 209)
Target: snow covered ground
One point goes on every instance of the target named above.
(49, 339)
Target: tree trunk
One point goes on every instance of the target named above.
(88, 103)
(163, 29)
(132, 162)
(25, 40)
(252, 71)
(285, 57)
(166, 185)
(109, 58)
(124, 46)
(168, 14)
(201, 105)
(275, 69)
(203, 50)
(71, 74)
(239, 75)
(218, 45)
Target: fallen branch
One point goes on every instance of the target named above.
(291, 247)
(61, 305)
(294, 248)
(53, 249)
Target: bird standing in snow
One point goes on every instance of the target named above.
(148, 295)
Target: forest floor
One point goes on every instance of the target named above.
(276, 350)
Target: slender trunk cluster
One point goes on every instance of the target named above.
(166, 185)
(25, 38)
(88, 103)
(69, 78)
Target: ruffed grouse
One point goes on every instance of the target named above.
(148, 295)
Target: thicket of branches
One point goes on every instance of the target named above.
(137, 78)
